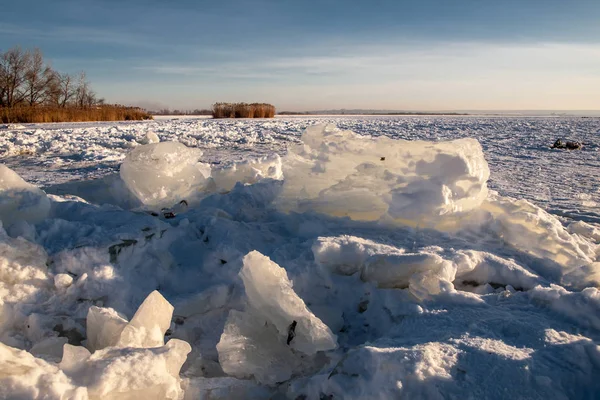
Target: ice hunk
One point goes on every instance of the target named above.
(104, 327)
(270, 295)
(346, 254)
(248, 172)
(250, 348)
(133, 373)
(162, 174)
(412, 183)
(395, 271)
(148, 326)
(19, 200)
(73, 358)
(23, 376)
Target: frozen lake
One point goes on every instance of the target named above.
(370, 259)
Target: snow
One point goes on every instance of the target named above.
(465, 264)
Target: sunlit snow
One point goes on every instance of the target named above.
(301, 258)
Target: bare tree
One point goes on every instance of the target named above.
(14, 64)
(67, 89)
(37, 78)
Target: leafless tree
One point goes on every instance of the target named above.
(13, 64)
(37, 78)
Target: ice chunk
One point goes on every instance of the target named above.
(19, 200)
(250, 348)
(162, 174)
(128, 373)
(104, 328)
(148, 326)
(270, 295)
(150, 138)
(62, 281)
(22, 376)
(532, 230)
(478, 267)
(73, 358)
(424, 274)
(247, 172)
(369, 178)
(50, 347)
(345, 254)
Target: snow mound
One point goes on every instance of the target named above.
(341, 173)
(266, 340)
(162, 174)
(19, 200)
(387, 372)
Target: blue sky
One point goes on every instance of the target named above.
(307, 55)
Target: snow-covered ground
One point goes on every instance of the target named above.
(366, 257)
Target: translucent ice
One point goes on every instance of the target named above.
(19, 200)
(162, 174)
(250, 348)
(250, 171)
(148, 326)
(260, 341)
(270, 294)
(104, 327)
(341, 173)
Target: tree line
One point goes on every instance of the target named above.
(26, 79)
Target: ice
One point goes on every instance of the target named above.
(22, 376)
(148, 326)
(341, 173)
(162, 174)
(248, 172)
(19, 200)
(104, 328)
(259, 342)
(270, 294)
(252, 348)
(346, 255)
(150, 138)
(458, 297)
(128, 373)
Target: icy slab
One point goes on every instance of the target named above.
(265, 341)
(148, 326)
(270, 294)
(250, 348)
(163, 174)
(340, 173)
(346, 254)
(248, 172)
(19, 200)
(104, 328)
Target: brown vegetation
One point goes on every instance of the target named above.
(41, 114)
(243, 110)
(31, 91)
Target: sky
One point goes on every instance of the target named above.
(313, 55)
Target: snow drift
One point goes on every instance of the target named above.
(393, 271)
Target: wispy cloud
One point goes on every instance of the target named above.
(77, 34)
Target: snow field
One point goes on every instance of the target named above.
(326, 271)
